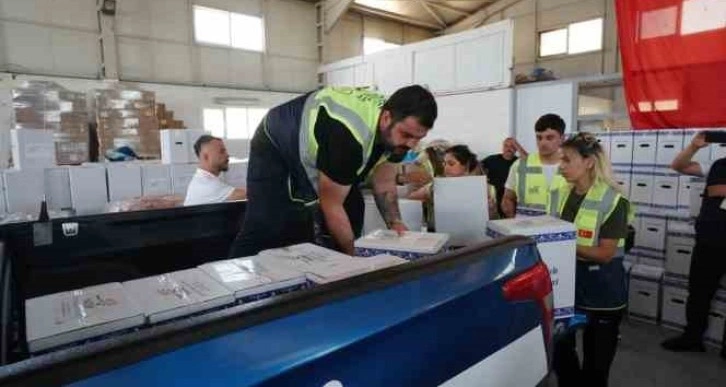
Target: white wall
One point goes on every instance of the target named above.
(155, 42)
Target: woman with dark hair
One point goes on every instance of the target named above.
(601, 213)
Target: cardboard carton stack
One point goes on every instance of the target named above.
(127, 117)
(166, 118)
(46, 105)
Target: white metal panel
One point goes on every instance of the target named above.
(286, 16)
(364, 75)
(31, 10)
(291, 74)
(393, 69)
(133, 18)
(170, 20)
(245, 68)
(172, 62)
(342, 77)
(74, 13)
(436, 68)
(28, 47)
(135, 59)
(75, 53)
(536, 100)
(481, 120)
(214, 64)
(481, 62)
(248, 7)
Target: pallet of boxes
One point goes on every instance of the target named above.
(127, 118)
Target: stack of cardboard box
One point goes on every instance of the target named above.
(166, 118)
(47, 105)
(127, 117)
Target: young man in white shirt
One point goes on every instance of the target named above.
(206, 187)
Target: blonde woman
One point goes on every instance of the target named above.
(593, 202)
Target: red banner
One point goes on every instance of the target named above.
(674, 62)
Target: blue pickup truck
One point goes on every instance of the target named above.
(480, 315)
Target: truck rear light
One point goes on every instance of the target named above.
(535, 285)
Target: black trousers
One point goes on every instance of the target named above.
(708, 265)
(599, 341)
(271, 218)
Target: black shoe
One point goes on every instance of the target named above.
(683, 344)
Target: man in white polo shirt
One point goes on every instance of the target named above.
(206, 187)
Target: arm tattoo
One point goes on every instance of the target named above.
(387, 203)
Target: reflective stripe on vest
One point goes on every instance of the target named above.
(358, 110)
(530, 173)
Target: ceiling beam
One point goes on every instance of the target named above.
(481, 15)
(396, 17)
(333, 10)
(449, 8)
(431, 12)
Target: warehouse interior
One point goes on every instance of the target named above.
(144, 144)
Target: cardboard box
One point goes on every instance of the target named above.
(124, 181)
(155, 179)
(24, 190)
(174, 146)
(653, 231)
(670, 144)
(177, 294)
(253, 279)
(32, 148)
(412, 245)
(319, 264)
(411, 214)
(678, 255)
(665, 189)
(644, 148)
(716, 318)
(89, 194)
(556, 242)
(57, 183)
(604, 139)
(68, 317)
(621, 149)
(3, 205)
(461, 209)
(649, 257)
(698, 187)
(641, 186)
(623, 177)
(684, 192)
(181, 176)
(383, 261)
(644, 293)
(675, 296)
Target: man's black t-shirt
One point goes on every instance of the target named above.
(497, 170)
(340, 154)
(711, 222)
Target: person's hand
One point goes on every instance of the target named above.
(418, 177)
(399, 227)
(699, 140)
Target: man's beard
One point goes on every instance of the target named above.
(390, 148)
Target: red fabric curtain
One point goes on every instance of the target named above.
(674, 62)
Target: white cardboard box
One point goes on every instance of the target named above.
(718, 151)
(675, 296)
(684, 192)
(181, 176)
(24, 190)
(716, 318)
(67, 317)
(641, 186)
(621, 148)
(665, 189)
(461, 208)
(556, 242)
(319, 264)
(124, 181)
(155, 179)
(411, 214)
(252, 278)
(680, 241)
(383, 261)
(88, 189)
(644, 292)
(3, 205)
(175, 146)
(670, 144)
(192, 137)
(604, 139)
(698, 187)
(236, 176)
(623, 177)
(645, 145)
(32, 148)
(177, 294)
(57, 184)
(653, 232)
(411, 245)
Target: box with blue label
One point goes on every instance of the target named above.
(411, 245)
(556, 242)
(253, 278)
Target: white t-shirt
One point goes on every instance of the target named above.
(705, 168)
(548, 170)
(205, 188)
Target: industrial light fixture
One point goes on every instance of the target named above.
(107, 7)
(236, 101)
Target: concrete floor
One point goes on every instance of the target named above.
(641, 362)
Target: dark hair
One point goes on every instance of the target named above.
(465, 157)
(412, 101)
(203, 140)
(550, 121)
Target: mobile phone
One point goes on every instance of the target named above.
(716, 137)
